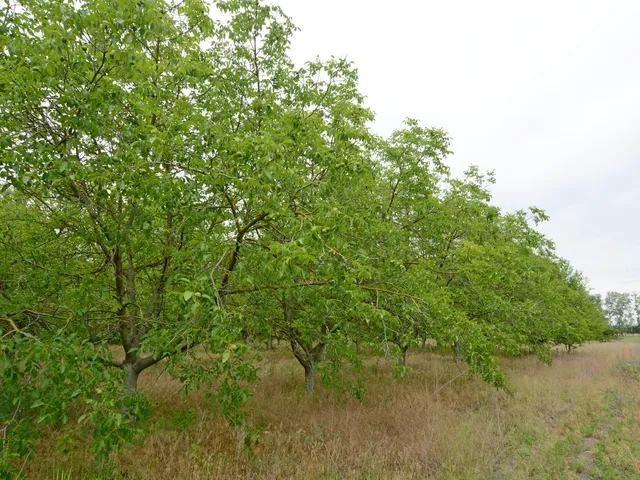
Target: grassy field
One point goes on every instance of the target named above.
(576, 419)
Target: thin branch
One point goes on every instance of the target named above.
(12, 323)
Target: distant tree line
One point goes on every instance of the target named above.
(622, 310)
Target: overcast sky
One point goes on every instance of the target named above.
(546, 93)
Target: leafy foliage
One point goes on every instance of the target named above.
(174, 185)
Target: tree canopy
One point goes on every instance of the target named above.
(172, 183)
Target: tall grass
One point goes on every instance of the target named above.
(575, 419)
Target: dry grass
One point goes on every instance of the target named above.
(576, 419)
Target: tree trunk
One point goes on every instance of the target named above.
(131, 375)
(309, 378)
(133, 366)
(308, 357)
(457, 351)
(402, 360)
(130, 380)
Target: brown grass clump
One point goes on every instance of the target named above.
(578, 418)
